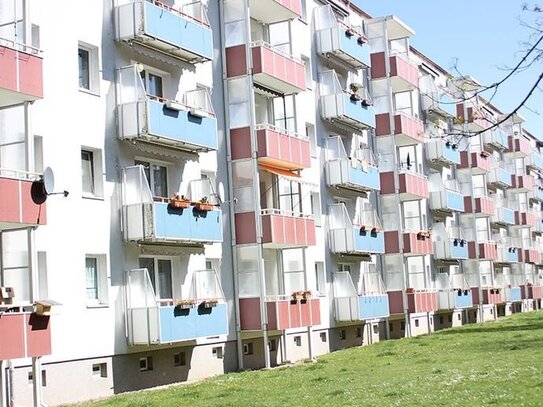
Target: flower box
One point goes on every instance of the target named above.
(209, 303)
(180, 204)
(185, 304)
(200, 206)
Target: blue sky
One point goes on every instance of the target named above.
(485, 35)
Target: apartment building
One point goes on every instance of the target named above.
(238, 184)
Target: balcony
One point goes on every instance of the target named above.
(512, 294)
(447, 201)
(147, 221)
(477, 118)
(531, 291)
(496, 138)
(502, 215)
(524, 183)
(189, 125)
(451, 249)
(358, 172)
(362, 238)
(404, 74)
(507, 254)
(350, 305)
(500, 177)
(484, 206)
(276, 147)
(536, 194)
(531, 219)
(443, 152)
(273, 11)
(280, 229)
(283, 313)
(412, 185)
(18, 209)
(154, 321)
(520, 147)
(407, 129)
(487, 250)
(24, 334)
(440, 103)
(340, 106)
(480, 163)
(535, 160)
(21, 73)
(453, 299)
(414, 243)
(184, 34)
(532, 256)
(491, 296)
(342, 43)
(417, 301)
(273, 69)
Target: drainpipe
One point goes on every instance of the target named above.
(10, 387)
(396, 179)
(231, 202)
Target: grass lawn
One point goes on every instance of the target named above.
(496, 363)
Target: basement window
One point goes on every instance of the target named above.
(248, 348)
(146, 364)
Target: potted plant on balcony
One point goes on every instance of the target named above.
(179, 201)
(410, 290)
(210, 303)
(185, 304)
(354, 88)
(306, 295)
(297, 295)
(204, 205)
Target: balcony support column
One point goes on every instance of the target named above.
(36, 381)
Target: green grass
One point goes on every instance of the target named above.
(497, 363)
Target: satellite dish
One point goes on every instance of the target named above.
(48, 179)
(221, 191)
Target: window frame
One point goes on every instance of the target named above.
(154, 276)
(93, 68)
(96, 171)
(101, 298)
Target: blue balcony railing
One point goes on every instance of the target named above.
(537, 160)
(455, 201)
(373, 306)
(368, 241)
(511, 256)
(514, 294)
(447, 104)
(508, 215)
(187, 324)
(184, 35)
(459, 249)
(463, 299)
(504, 177)
(500, 137)
(187, 224)
(443, 151)
(365, 178)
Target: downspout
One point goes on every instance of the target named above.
(396, 179)
(231, 200)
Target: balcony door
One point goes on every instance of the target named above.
(160, 274)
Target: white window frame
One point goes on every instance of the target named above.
(151, 180)
(156, 276)
(96, 176)
(102, 297)
(93, 68)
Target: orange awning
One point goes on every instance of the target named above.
(286, 174)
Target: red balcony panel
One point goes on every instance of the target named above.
(422, 301)
(487, 251)
(534, 291)
(17, 208)
(413, 243)
(480, 163)
(277, 71)
(272, 11)
(281, 230)
(236, 64)
(490, 295)
(387, 183)
(395, 302)
(282, 314)
(532, 256)
(21, 76)
(283, 150)
(404, 74)
(526, 219)
(409, 130)
(519, 146)
(240, 143)
(24, 335)
(245, 227)
(523, 182)
(484, 206)
(414, 184)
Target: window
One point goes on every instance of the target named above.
(91, 167)
(359, 332)
(320, 278)
(217, 352)
(390, 326)
(96, 279)
(342, 334)
(402, 325)
(416, 323)
(316, 207)
(91, 274)
(344, 267)
(179, 359)
(99, 370)
(88, 67)
(272, 345)
(323, 336)
(298, 340)
(157, 177)
(285, 113)
(146, 364)
(411, 216)
(310, 134)
(160, 274)
(304, 11)
(375, 329)
(308, 76)
(290, 195)
(84, 74)
(248, 348)
(152, 83)
(30, 378)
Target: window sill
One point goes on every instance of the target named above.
(89, 92)
(93, 197)
(96, 306)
